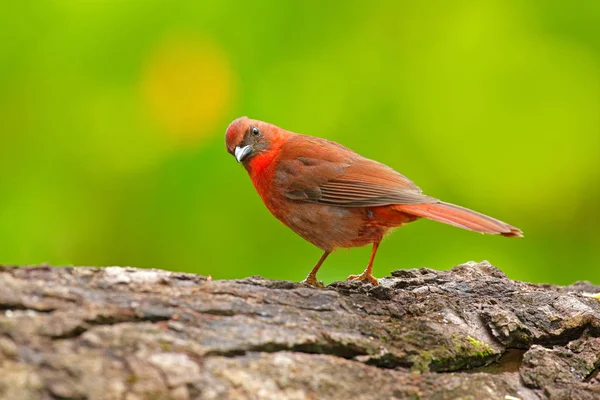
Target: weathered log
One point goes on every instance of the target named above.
(125, 333)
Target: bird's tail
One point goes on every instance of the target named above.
(460, 217)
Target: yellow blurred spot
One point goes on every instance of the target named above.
(187, 84)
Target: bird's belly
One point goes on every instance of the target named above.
(330, 227)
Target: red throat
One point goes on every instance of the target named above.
(260, 167)
(259, 163)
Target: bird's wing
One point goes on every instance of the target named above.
(320, 171)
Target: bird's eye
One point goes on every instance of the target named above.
(255, 131)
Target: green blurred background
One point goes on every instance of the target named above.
(113, 113)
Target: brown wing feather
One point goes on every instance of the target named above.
(320, 171)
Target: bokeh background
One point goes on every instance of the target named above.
(113, 113)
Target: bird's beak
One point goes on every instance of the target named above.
(241, 152)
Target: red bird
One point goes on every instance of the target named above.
(335, 198)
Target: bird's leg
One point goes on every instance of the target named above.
(368, 273)
(311, 278)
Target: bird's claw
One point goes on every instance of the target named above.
(312, 281)
(364, 277)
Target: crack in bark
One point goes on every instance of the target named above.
(21, 307)
(333, 349)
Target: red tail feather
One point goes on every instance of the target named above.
(460, 217)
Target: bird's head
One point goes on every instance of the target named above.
(246, 138)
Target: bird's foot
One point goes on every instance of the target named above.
(312, 281)
(364, 277)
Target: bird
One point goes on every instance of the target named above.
(335, 198)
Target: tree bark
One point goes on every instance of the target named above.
(125, 333)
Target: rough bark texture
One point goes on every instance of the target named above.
(124, 333)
